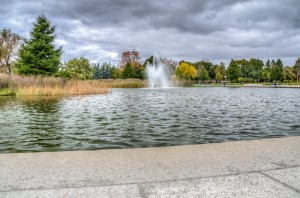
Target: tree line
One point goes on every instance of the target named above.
(240, 70)
(39, 56)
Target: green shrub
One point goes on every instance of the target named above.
(246, 80)
(7, 92)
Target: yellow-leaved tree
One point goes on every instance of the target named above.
(186, 71)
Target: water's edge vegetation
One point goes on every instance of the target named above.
(17, 85)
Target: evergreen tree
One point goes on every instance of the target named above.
(106, 70)
(279, 63)
(97, 72)
(268, 65)
(102, 72)
(272, 63)
(38, 54)
(277, 70)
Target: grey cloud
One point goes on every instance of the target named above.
(179, 29)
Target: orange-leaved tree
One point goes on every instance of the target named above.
(130, 57)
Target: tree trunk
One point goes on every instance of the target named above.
(8, 70)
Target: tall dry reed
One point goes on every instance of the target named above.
(49, 86)
(121, 83)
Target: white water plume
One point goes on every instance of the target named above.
(157, 73)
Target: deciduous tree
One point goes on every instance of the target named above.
(186, 71)
(256, 66)
(116, 72)
(288, 74)
(220, 72)
(297, 68)
(129, 57)
(233, 71)
(245, 68)
(9, 43)
(209, 66)
(203, 75)
(128, 71)
(79, 68)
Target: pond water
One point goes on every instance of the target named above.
(130, 118)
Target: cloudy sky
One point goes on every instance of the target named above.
(215, 30)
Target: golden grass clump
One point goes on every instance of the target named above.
(49, 86)
(123, 83)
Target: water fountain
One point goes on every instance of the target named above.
(157, 73)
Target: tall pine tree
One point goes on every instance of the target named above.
(38, 55)
(277, 70)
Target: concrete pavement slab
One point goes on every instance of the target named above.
(289, 176)
(122, 191)
(77, 169)
(243, 185)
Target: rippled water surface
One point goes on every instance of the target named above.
(128, 118)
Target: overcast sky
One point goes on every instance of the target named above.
(215, 30)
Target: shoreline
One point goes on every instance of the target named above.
(250, 85)
(107, 89)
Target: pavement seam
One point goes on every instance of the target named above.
(278, 181)
(142, 191)
(149, 182)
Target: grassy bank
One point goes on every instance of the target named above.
(47, 86)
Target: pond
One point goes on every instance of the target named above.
(131, 118)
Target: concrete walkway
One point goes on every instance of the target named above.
(260, 168)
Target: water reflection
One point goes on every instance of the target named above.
(36, 124)
(129, 118)
(4, 100)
